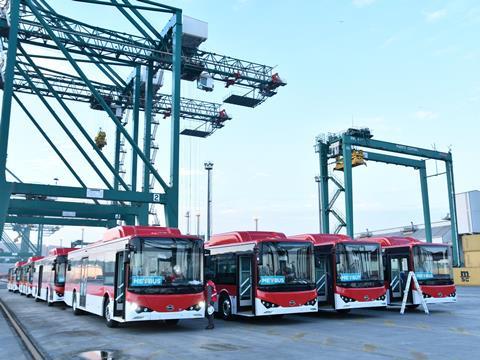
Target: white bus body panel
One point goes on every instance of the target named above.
(417, 299)
(341, 305)
(261, 310)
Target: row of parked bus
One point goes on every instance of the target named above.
(138, 273)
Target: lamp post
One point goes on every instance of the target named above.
(256, 223)
(187, 215)
(209, 167)
(317, 180)
(198, 223)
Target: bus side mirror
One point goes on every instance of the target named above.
(131, 248)
(207, 252)
(256, 251)
(126, 257)
(69, 266)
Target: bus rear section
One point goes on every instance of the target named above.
(138, 273)
(49, 276)
(261, 273)
(348, 273)
(431, 263)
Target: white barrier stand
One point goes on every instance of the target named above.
(411, 275)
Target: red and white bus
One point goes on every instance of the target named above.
(431, 263)
(27, 275)
(138, 273)
(18, 276)
(348, 273)
(48, 283)
(261, 273)
(11, 279)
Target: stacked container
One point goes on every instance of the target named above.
(470, 274)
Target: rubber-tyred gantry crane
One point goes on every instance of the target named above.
(355, 147)
(119, 74)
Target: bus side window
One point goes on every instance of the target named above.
(226, 269)
(108, 271)
(99, 276)
(210, 262)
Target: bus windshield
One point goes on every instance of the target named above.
(166, 263)
(358, 264)
(432, 263)
(60, 268)
(286, 263)
(30, 273)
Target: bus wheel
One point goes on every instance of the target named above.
(413, 306)
(172, 322)
(49, 303)
(225, 307)
(343, 311)
(76, 310)
(108, 315)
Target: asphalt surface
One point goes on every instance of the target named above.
(451, 331)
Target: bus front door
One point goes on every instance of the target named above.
(83, 281)
(39, 282)
(398, 276)
(321, 277)
(119, 303)
(245, 282)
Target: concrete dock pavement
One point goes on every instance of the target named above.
(10, 346)
(451, 331)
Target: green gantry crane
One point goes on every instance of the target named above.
(33, 32)
(352, 148)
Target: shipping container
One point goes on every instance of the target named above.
(472, 258)
(468, 212)
(471, 242)
(467, 276)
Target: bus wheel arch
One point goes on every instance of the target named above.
(106, 300)
(49, 294)
(76, 310)
(107, 314)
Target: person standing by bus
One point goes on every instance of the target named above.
(211, 297)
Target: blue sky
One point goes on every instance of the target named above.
(406, 69)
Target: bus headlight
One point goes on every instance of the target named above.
(196, 307)
(311, 302)
(347, 299)
(268, 305)
(140, 309)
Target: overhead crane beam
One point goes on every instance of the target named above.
(132, 49)
(70, 87)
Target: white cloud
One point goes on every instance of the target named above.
(240, 4)
(389, 41)
(425, 115)
(362, 3)
(435, 16)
